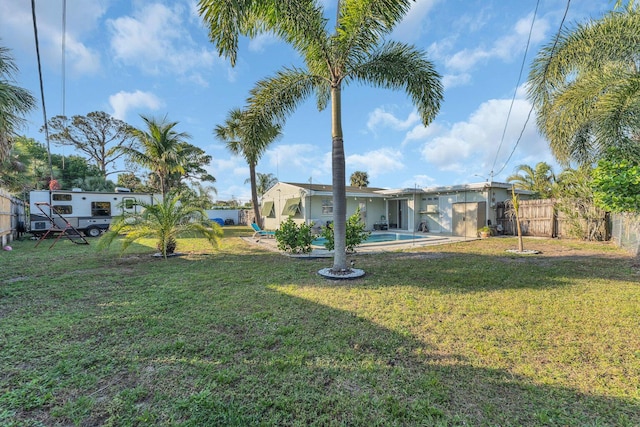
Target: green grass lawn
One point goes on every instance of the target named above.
(462, 334)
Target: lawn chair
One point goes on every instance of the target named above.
(260, 232)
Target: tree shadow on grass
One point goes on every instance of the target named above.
(224, 342)
(230, 340)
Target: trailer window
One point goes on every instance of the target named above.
(63, 209)
(129, 203)
(61, 197)
(100, 208)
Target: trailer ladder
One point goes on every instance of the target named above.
(67, 230)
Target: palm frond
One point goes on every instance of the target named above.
(399, 66)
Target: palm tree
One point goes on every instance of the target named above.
(166, 220)
(249, 138)
(585, 88)
(163, 150)
(14, 103)
(539, 180)
(359, 179)
(264, 182)
(356, 50)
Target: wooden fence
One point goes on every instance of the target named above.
(12, 217)
(543, 218)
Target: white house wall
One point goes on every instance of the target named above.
(422, 205)
(311, 209)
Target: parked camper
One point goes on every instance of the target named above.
(88, 212)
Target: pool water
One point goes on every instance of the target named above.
(375, 238)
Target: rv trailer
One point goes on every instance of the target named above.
(87, 211)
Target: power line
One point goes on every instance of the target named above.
(44, 109)
(544, 75)
(515, 91)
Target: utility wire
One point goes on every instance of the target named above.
(544, 75)
(44, 109)
(64, 64)
(515, 91)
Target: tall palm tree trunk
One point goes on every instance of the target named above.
(338, 173)
(254, 194)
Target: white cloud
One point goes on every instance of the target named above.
(258, 44)
(16, 23)
(376, 163)
(380, 118)
(477, 140)
(155, 40)
(453, 80)
(420, 181)
(122, 102)
(420, 133)
(412, 25)
(504, 48)
(303, 159)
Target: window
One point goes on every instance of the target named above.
(100, 209)
(63, 209)
(327, 206)
(267, 210)
(61, 197)
(129, 203)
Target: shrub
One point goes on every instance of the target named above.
(294, 238)
(356, 234)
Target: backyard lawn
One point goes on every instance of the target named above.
(459, 334)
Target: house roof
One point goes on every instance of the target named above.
(375, 191)
(474, 186)
(324, 188)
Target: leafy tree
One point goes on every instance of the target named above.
(294, 238)
(94, 183)
(616, 184)
(165, 220)
(162, 150)
(359, 179)
(575, 198)
(249, 138)
(356, 50)
(193, 169)
(356, 233)
(539, 180)
(264, 182)
(132, 182)
(27, 169)
(97, 135)
(15, 102)
(585, 88)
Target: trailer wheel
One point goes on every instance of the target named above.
(93, 231)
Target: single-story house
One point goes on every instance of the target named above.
(455, 210)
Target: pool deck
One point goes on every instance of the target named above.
(426, 239)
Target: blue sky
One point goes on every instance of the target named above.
(154, 58)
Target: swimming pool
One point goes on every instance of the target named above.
(375, 238)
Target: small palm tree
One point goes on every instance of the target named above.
(540, 179)
(264, 182)
(165, 220)
(359, 179)
(163, 150)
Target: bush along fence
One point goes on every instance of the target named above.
(13, 217)
(555, 218)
